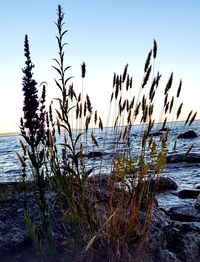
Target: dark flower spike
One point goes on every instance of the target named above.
(83, 69)
(154, 48)
(30, 108)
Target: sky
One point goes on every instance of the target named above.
(106, 34)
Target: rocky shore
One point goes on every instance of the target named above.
(174, 234)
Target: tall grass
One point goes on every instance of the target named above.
(55, 153)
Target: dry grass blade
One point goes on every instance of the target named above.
(94, 141)
(77, 111)
(132, 103)
(131, 83)
(80, 110)
(129, 117)
(171, 105)
(179, 89)
(85, 108)
(95, 117)
(158, 79)
(154, 48)
(166, 99)
(152, 89)
(127, 82)
(83, 69)
(188, 118)
(100, 124)
(164, 123)
(146, 77)
(193, 118)
(169, 83)
(99, 231)
(166, 107)
(58, 125)
(111, 97)
(189, 150)
(151, 109)
(137, 110)
(117, 88)
(79, 97)
(179, 111)
(124, 73)
(114, 79)
(89, 105)
(148, 60)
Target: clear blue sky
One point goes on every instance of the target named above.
(106, 34)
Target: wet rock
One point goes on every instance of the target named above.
(171, 240)
(183, 240)
(167, 256)
(197, 186)
(189, 193)
(197, 203)
(178, 158)
(95, 154)
(101, 179)
(166, 183)
(189, 134)
(184, 214)
(158, 133)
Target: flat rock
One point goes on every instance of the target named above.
(156, 133)
(95, 154)
(187, 135)
(184, 214)
(189, 193)
(178, 158)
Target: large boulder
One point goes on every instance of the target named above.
(189, 134)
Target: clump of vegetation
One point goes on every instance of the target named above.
(106, 216)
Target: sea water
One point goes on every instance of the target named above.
(186, 175)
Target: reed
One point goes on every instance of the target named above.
(56, 156)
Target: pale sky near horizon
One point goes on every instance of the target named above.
(106, 34)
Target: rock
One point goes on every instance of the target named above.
(169, 240)
(167, 256)
(164, 183)
(189, 193)
(189, 134)
(156, 133)
(197, 203)
(183, 240)
(178, 158)
(95, 154)
(197, 186)
(184, 214)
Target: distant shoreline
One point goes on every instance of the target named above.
(10, 134)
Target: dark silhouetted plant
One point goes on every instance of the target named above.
(34, 151)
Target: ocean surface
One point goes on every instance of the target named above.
(187, 175)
